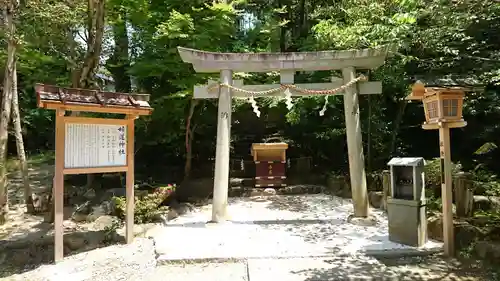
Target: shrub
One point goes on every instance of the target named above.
(433, 172)
(146, 208)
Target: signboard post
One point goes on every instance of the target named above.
(86, 145)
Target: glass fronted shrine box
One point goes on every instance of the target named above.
(270, 164)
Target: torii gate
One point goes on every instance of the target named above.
(287, 64)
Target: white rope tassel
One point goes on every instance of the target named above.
(254, 106)
(288, 98)
(323, 110)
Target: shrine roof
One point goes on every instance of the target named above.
(204, 61)
(74, 99)
(406, 161)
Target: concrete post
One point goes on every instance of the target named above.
(221, 177)
(355, 145)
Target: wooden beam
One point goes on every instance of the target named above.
(203, 92)
(77, 171)
(55, 105)
(222, 150)
(355, 146)
(446, 190)
(130, 199)
(212, 62)
(451, 125)
(92, 120)
(58, 188)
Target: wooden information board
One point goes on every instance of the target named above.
(86, 145)
(95, 145)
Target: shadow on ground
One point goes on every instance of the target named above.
(430, 268)
(36, 248)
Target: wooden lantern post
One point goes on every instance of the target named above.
(443, 111)
(86, 145)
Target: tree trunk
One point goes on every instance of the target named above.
(6, 109)
(118, 64)
(282, 18)
(189, 139)
(464, 196)
(84, 76)
(397, 124)
(16, 119)
(95, 29)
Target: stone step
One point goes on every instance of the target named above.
(234, 182)
(339, 268)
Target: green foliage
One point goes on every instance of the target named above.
(146, 208)
(433, 172)
(433, 38)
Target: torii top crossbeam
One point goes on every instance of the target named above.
(210, 62)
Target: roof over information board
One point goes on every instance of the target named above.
(74, 99)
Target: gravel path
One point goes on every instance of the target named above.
(119, 262)
(316, 225)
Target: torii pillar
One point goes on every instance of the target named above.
(287, 64)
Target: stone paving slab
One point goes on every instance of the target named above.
(359, 268)
(319, 269)
(223, 271)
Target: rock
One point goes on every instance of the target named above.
(375, 198)
(183, 208)
(488, 250)
(81, 210)
(121, 192)
(465, 233)
(269, 192)
(194, 188)
(105, 222)
(160, 218)
(75, 241)
(40, 202)
(69, 225)
(172, 214)
(117, 191)
(486, 203)
(255, 192)
(336, 185)
(235, 182)
(435, 227)
(368, 221)
(293, 189)
(98, 211)
(89, 194)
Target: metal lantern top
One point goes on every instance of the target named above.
(441, 105)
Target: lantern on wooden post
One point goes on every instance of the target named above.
(443, 111)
